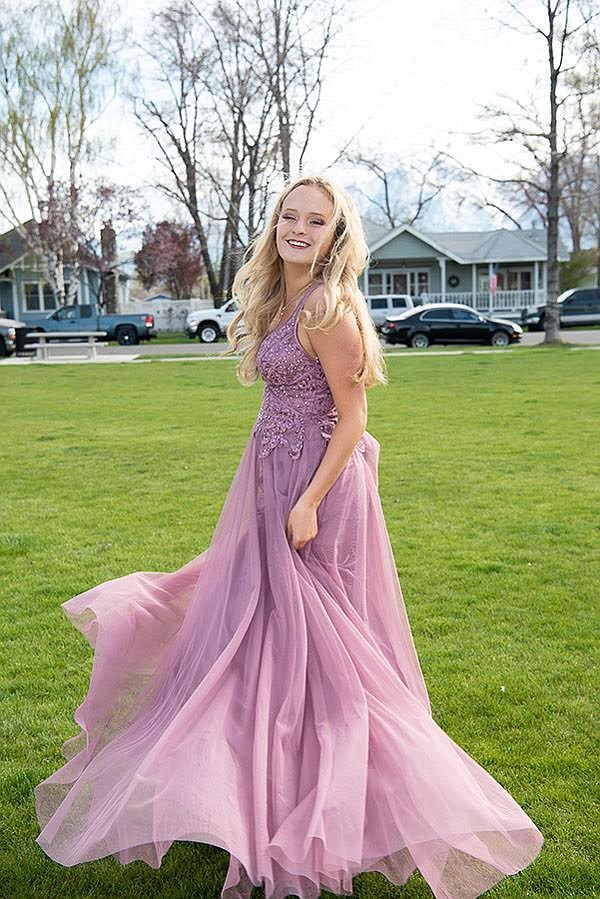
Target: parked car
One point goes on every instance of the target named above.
(8, 335)
(125, 329)
(449, 323)
(578, 306)
(382, 305)
(209, 324)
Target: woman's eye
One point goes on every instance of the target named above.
(315, 222)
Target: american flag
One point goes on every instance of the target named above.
(494, 279)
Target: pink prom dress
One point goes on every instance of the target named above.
(269, 700)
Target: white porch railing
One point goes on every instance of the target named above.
(507, 301)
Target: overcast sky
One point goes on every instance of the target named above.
(405, 75)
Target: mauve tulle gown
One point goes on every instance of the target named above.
(269, 700)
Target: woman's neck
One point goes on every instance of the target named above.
(296, 278)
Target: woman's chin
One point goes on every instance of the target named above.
(296, 259)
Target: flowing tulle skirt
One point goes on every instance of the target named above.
(270, 701)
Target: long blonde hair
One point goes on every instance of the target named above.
(259, 285)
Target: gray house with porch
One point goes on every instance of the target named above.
(492, 271)
(24, 289)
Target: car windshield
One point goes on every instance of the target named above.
(565, 295)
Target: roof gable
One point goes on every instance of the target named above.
(501, 245)
(408, 237)
(12, 246)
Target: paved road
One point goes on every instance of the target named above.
(195, 348)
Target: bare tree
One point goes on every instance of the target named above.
(422, 182)
(579, 147)
(291, 40)
(560, 25)
(52, 85)
(236, 91)
(213, 131)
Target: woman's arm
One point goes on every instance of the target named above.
(340, 353)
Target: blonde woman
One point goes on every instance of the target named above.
(267, 698)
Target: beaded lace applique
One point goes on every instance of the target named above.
(296, 396)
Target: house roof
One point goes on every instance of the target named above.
(12, 246)
(501, 245)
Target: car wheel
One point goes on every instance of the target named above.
(499, 338)
(419, 341)
(208, 333)
(127, 335)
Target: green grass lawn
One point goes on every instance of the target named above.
(489, 475)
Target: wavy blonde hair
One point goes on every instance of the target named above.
(259, 285)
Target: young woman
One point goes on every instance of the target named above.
(267, 698)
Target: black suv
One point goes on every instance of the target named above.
(579, 306)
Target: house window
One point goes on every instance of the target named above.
(422, 283)
(38, 296)
(375, 283)
(507, 280)
(411, 282)
(32, 296)
(525, 280)
(48, 297)
(399, 282)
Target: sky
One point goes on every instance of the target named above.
(404, 76)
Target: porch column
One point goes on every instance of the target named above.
(474, 284)
(536, 281)
(442, 264)
(15, 296)
(544, 282)
(366, 280)
(490, 296)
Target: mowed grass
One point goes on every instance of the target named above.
(489, 479)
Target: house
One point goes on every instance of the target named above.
(23, 288)
(499, 271)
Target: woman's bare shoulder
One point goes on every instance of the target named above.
(314, 305)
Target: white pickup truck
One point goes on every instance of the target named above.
(209, 324)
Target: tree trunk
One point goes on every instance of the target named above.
(551, 318)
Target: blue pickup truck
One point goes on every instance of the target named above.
(125, 329)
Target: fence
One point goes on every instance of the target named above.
(507, 302)
(169, 315)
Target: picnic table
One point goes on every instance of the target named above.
(43, 341)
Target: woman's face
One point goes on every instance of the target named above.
(304, 229)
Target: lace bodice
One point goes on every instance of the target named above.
(297, 395)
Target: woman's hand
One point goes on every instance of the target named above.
(302, 523)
